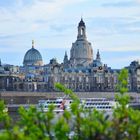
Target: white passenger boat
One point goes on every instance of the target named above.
(59, 105)
(88, 103)
(99, 104)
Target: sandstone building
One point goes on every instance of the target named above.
(81, 72)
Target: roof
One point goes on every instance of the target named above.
(32, 56)
(82, 23)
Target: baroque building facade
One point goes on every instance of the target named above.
(81, 72)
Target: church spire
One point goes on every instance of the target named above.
(98, 55)
(65, 57)
(81, 30)
(66, 61)
(33, 43)
(82, 23)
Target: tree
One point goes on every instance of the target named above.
(77, 124)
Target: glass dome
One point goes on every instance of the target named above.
(32, 57)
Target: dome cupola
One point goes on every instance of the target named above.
(32, 57)
(81, 53)
(81, 30)
(82, 23)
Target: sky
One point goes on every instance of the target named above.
(113, 27)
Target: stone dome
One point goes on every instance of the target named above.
(82, 50)
(81, 53)
(32, 57)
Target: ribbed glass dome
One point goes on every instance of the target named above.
(32, 57)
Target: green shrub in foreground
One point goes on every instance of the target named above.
(82, 124)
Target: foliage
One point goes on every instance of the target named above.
(76, 124)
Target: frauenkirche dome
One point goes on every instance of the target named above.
(81, 52)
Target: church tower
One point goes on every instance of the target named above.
(98, 56)
(81, 30)
(97, 62)
(81, 53)
(66, 61)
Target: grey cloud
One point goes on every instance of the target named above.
(20, 35)
(60, 27)
(108, 26)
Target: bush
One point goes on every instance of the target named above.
(77, 124)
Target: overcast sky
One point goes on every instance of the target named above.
(113, 27)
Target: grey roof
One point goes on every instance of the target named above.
(82, 23)
(97, 63)
(77, 70)
(32, 56)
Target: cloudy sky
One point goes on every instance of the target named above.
(113, 27)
